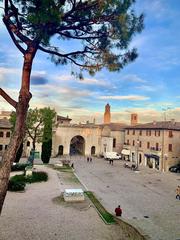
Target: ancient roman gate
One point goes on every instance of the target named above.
(76, 139)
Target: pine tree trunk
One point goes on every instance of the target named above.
(18, 135)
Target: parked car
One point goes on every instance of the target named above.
(112, 156)
(175, 168)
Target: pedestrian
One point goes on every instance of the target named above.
(72, 165)
(178, 192)
(87, 159)
(112, 161)
(118, 211)
(90, 159)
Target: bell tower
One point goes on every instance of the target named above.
(107, 114)
(134, 119)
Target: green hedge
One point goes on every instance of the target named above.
(18, 182)
(105, 215)
(19, 167)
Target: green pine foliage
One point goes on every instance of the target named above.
(102, 29)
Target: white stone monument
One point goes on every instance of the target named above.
(73, 195)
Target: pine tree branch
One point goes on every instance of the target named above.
(11, 101)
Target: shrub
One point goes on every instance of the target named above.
(18, 182)
(19, 167)
(37, 177)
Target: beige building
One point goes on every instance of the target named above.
(155, 144)
(5, 134)
(87, 139)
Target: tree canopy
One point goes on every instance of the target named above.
(102, 30)
(36, 120)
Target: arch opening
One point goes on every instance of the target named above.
(93, 150)
(60, 150)
(77, 146)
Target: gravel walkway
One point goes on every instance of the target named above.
(36, 214)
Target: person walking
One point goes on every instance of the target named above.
(90, 159)
(87, 159)
(118, 211)
(178, 192)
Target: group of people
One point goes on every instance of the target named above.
(89, 159)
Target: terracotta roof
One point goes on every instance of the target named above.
(4, 123)
(169, 125)
(59, 118)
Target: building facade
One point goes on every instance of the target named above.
(155, 144)
(5, 134)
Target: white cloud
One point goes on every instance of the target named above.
(133, 78)
(128, 97)
(147, 88)
(93, 81)
(5, 70)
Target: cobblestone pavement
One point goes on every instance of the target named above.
(36, 214)
(147, 197)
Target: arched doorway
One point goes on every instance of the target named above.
(140, 158)
(77, 145)
(60, 150)
(93, 150)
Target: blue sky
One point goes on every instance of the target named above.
(148, 86)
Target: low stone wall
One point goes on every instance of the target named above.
(132, 232)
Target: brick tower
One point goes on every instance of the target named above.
(134, 119)
(107, 114)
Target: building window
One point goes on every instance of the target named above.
(148, 145)
(6, 146)
(155, 132)
(128, 132)
(170, 148)
(157, 146)
(170, 134)
(1, 134)
(133, 132)
(148, 132)
(114, 142)
(159, 133)
(28, 143)
(133, 143)
(140, 133)
(128, 142)
(140, 144)
(1, 147)
(8, 134)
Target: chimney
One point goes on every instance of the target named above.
(107, 114)
(134, 119)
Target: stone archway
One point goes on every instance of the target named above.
(77, 146)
